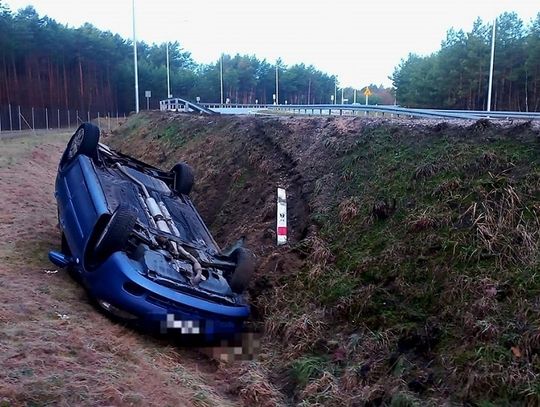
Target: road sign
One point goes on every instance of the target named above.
(367, 92)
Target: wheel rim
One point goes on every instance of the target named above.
(76, 143)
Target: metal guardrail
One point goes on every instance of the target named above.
(499, 114)
(348, 109)
(403, 112)
(393, 110)
(234, 105)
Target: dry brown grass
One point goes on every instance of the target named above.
(349, 209)
(322, 391)
(448, 187)
(303, 331)
(505, 228)
(422, 221)
(320, 252)
(55, 349)
(255, 388)
(426, 171)
(353, 306)
(299, 331)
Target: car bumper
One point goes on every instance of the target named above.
(118, 282)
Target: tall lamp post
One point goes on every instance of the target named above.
(277, 84)
(221, 75)
(168, 75)
(490, 86)
(135, 60)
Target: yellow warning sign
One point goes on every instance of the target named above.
(367, 92)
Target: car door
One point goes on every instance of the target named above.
(80, 202)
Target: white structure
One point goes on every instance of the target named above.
(173, 105)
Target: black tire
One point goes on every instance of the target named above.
(184, 179)
(245, 266)
(84, 141)
(114, 235)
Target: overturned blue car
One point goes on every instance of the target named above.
(131, 235)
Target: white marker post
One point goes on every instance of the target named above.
(147, 95)
(281, 217)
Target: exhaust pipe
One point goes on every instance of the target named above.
(161, 217)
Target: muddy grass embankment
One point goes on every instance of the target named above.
(412, 272)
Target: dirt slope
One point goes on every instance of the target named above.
(55, 349)
(411, 277)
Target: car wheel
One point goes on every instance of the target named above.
(245, 265)
(183, 178)
(114, 234)
(84, 141)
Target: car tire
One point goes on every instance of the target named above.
(245, 265)
(84, 141)
(184, 179)
(114, 235)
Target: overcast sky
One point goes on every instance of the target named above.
(360, 41)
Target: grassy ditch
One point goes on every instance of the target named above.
(414, 279)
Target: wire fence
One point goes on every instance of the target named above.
(20, 118)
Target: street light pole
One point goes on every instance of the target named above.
(335, 91)
(277, 85)
(221, 75)
(168, 75)
(490, 86)
(135, 60)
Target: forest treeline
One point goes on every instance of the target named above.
(47, 64)
(456, 77)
